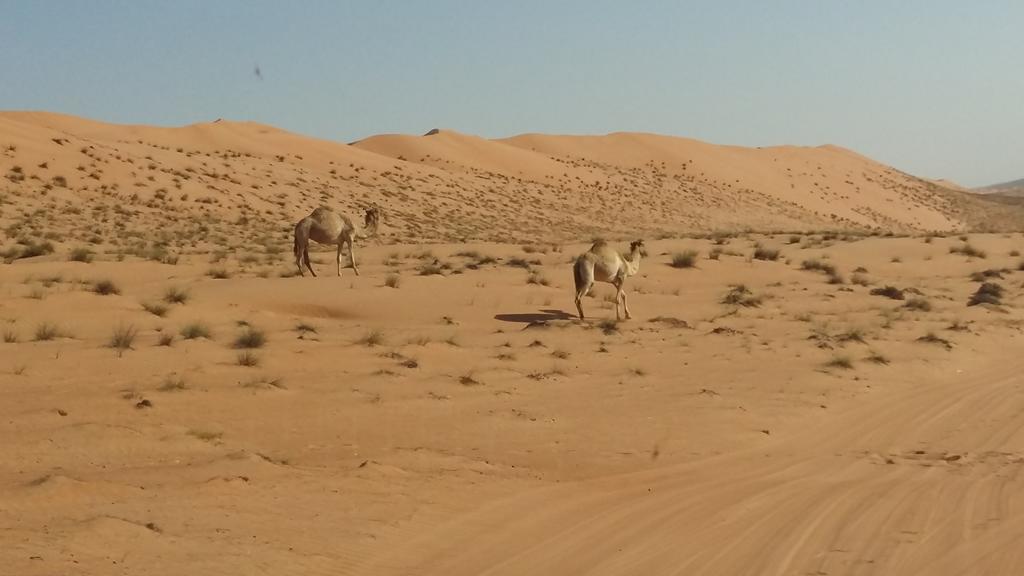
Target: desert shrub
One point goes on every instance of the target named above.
(889, 292)
(430, 268)
(968, 250)
(932, 338)
(392, 281)
(537, 278)
(852, 335)
(175, 295)
(762, 253)
(105, 288)
(877, 358)
(247, 358)
(685, 259)
(251, 338)
(818, 266)
(740, 295)
(46, 331)
(80, 254)
(195, 330)
(155, 308)
(371, 338)
(984, 275)
(218, 273)
(172, 383)
(918, 303)
(843, 362)
(609, 326)
(123, 337)
(987, 293)
(33, 249)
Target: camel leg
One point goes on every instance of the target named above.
(625, 306)
(298, 262)
(305, 259)
(341, 244)
(619, 295)
(352, 255)
(579, 297)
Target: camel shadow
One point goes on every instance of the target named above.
(536, 317)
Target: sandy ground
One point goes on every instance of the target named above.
(465, 423)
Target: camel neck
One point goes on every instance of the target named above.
(634, 260)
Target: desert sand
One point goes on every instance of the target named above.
(177, 400)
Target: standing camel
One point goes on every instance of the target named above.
(602, 263)
(327, 227)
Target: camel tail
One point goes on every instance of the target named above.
(577, 272)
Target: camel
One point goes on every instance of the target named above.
(602, 263)
(327, 227)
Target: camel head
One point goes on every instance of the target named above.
(638, 246)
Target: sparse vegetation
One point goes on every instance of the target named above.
(155, 308)
(165, 339)
(968, 250)
(247, 358)
(852, 335)
(537, 278)
(609, 326)
(987, 293)
(983, 275)
(740, 295)
(175, 295)
(172, 383)
(393, 281)
(205, 435)
(105, 288)
(80, 255)
(763, 253)
(686, 259)
(46, 331)
(877, 358)
(195, 330)
(843, 362)
(818, 266)
(123, 337)
(889, 292)
(218, 273)
(918, 303)
(371, 339)
(250, 338)
(932, 338)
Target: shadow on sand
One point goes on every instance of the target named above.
(536, 317)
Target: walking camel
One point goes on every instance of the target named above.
(602, 263)
(328, 227)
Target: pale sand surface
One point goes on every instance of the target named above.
(464, 423)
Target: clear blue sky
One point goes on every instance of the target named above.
(933, 87)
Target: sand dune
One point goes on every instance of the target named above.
(243, 180)
(176, 400)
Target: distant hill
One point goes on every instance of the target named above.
(1014, 188)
